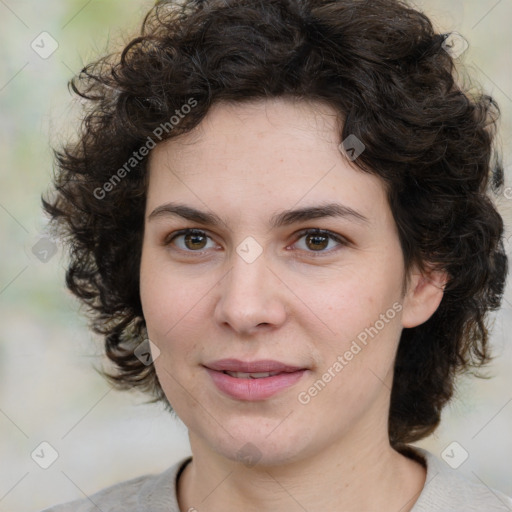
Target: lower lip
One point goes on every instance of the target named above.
(254, 389)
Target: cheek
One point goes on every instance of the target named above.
(358, 299)
(157, 291)
(363, 313)
(160, 288)
(356, 370)
(174, 310)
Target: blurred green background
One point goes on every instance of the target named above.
(48, 389)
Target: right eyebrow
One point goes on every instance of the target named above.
(186, 212)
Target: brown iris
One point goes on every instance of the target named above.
(197, 240)
(319, 241)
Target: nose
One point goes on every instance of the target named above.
(252, 297)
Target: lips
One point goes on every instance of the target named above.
(266, 365)
(253, 380)
(259, 375)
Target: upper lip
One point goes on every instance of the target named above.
(264, 365)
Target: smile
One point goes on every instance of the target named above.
(250, 387)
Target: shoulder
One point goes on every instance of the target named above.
(148, 492)
(122, 496)
(446, 489)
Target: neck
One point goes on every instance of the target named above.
(356, 474)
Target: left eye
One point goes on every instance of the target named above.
(317, 240)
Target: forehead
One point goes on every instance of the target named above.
(230, 128)
(276, 150)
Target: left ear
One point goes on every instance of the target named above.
(423, 296)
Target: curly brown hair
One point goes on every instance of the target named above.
(384, 68)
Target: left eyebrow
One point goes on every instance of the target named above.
(285, 218)
(288, 217)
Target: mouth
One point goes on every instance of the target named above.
(243, 375)
(253, 380)
(252, 367)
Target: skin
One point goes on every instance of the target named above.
(297, 303)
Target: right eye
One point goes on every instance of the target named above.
(190, 240)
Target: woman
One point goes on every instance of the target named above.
(278, 214)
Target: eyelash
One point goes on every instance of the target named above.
(316, 231)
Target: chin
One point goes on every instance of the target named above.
(254, 445)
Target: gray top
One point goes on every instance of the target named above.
(445, 491)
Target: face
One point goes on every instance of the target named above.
(246, 286)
